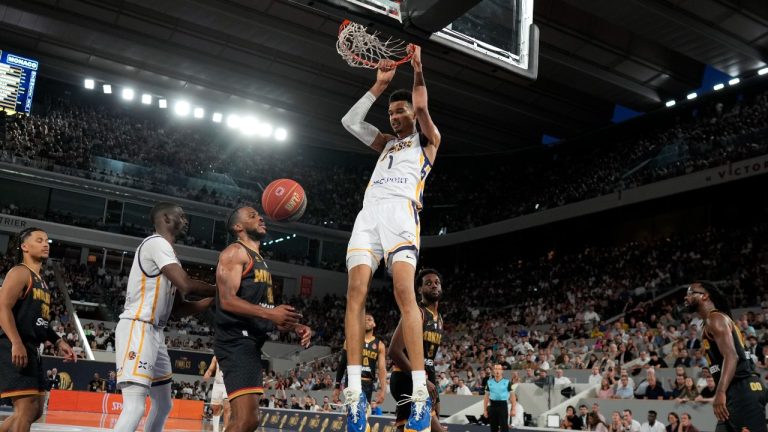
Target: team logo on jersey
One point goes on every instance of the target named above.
(132, 355)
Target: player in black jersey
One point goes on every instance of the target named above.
(245, 313)
(374, 363)
(740, 396)
(429, 284)
(25, 314)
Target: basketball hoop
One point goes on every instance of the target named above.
(362, 49)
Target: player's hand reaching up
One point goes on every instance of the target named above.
(416, 58)
(284, 316)
(385, 71)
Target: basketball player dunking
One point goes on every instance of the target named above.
(25, 315)
(740, 396)
(143, 364)
(430, 286)
(388, 227)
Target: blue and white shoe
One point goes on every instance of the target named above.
(420, 419)
(356, 411)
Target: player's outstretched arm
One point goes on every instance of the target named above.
(186, 285)
(183, 307)
(229, 272)
(354, 121)
(420, 106)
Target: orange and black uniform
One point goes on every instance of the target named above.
(400, 383)
(32, 314)
(369, 367)
(747, 395)
(238, 339)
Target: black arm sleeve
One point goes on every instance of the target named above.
(341, 369)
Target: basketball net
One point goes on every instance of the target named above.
(362, 49)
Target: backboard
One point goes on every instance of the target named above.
(499, 33)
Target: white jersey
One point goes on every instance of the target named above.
(401, 170)
(149, 294)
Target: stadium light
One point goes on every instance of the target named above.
(718, 87)
(691, 96)
(107, 89)
(670, 103)
(763, 71)
(181, 108)
(265, 129)
(734, 81)
(217, 117)
(233, 121)
(146, 99)
(281, 134)
(249, 125)
(89, 84)
(162, 103)
(198, 113)
(128, 94)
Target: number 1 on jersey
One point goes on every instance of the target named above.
(391, 158)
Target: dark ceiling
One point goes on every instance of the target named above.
(278, 59)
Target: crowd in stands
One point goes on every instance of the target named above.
(70, 133)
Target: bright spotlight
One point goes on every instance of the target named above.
(249, 125)
(181, 108)
(233, 121)
(146, 99)
(198, 112)
(265, 129)
(718, 87)
(107, 89)
(281, 134)
(89, 84)
(217, 117)
(763, 71)
(691, 96)
(128, 94)
(670, 103)
(162, 103)
(733, 81)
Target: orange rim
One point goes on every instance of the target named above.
(398, 62)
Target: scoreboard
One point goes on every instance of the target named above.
(17, 82)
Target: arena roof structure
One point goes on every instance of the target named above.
(279, 57)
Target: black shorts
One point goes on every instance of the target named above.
(745, 400)
(367, 386)
(401, 387)
(26, 381)
(240, 362)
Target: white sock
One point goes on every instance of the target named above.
(354, 373)
(215, 421)
(134, 396)
(419, 378)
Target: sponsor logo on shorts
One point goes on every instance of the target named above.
(714, 369)
(143, 365)
(132, 355)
